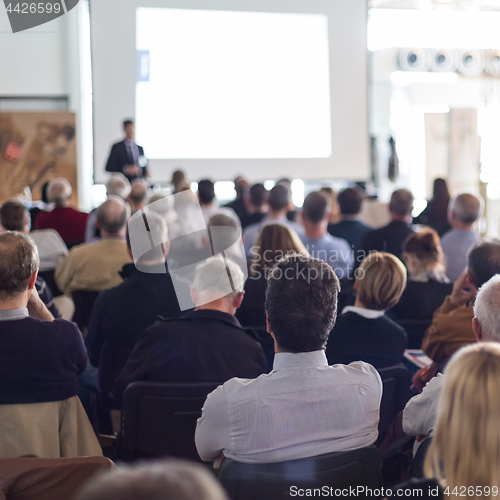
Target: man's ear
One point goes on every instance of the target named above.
(238, 299)
(31, 283)
(476, 327)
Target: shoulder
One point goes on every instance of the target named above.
(364, 372)
(59, 327)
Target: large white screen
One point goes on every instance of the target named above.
(233, 84)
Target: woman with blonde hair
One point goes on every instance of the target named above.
(274, 242)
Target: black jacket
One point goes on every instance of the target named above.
(387, 239)
(119, 157)
(201, 346)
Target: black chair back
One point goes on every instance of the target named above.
(159, 419)
(84, 302)
(279, 480)
(397, 381)
(415, 330)
(417, 466)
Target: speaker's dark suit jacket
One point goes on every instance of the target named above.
(119, 157)
(201, 346)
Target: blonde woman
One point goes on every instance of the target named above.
(363, 332)
(274, 242)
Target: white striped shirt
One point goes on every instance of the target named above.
(303, 408)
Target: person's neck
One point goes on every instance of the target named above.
(350, 217)
(207, 205)
(358, 303)
(221, 305)
(458, 226)
(272, 214)
(257, 210)
(314, 231)
(120, 235)
(400, 218)
(14, 303)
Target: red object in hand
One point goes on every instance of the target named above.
(13, 152)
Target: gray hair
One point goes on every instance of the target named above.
(467, 208)
(59, 191)
(163, 480)
(487, 309)
(219, 277)
(118, 185)
(112, 215)
(18, 261)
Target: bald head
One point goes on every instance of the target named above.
(465, 210)
(112, 216)
(59, 192)
(138, 194)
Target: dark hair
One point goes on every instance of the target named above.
(315, 207)
(424, 245)
(127, 122)
(206, 191)
(350, 201)
(401, 202)
(483, 262)
(301, 302)
(43, 191)
(257, 195)
(13, 215)
(440, 198)
(278, 198)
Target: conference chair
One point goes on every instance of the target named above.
(279, 480)
(159, 419)
(417, 466)
(84, 302)
(415, 330)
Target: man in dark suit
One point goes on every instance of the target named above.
(205, 345)
(127, 157)
(390, 238)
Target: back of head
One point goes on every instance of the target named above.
(166, 480)
(138, 192)
(483, 262)
(279, 198)
(18, 261)
(240, 184)
(425, 246)
(206, 191)
(381, 280)
(14, 216)
(178, 177)
(222, 220)
(440, 197)
(112, 215)
(467, 208)
(59, 191)
(157, 226)
(487, 309)
(257, 195)
(401, 203)
(466, 445)
(301, 303)
(350, 201)
(118, 185)
(316, 207)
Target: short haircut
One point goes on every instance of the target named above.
(178, 177)
(425, 246)
(138, 192)
(18, 261)
(381, 281)
(401, 202)
(483, 261)
(59, 191)
(127, 122)
(278, 198)
(257, 195)
(112, 215)
(315, 208)
(153, 223)
(212, 278)
(467, 208)
(222, 220)
(350, 201)
(118, 185)
(301, 302)
(162, 480)
(206, 191)
(487, 309)
(14, 216)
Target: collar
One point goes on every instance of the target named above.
(208, 314)
(13, 314)
(366, 313)
(299, 360)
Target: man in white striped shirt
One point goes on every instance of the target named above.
(304, 407)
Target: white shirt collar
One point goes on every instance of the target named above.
(366, 313)
(298, 360)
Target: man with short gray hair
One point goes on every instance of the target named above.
(40, 358)
(464, 211)
(205, 345)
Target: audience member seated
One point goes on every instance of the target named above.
(304, 407)
(179, 181)
(427, 286)
(51, 248)
(205, 345)
(95, 266)
(256, 204)
(14, 216)
(390, 238)
(117, 185)
(350, 228)
(435, 214)
(363, 332)
(456, 243)
(419, 416)
(166, 480)
(120, 314)
(40, 358)
(226, 239)
(451, 324)
(320, 244)
(165, 209)
(334, 204)
(138, 195)
(238, 204)
(274, 242)
(208, 203)
(278, 203)
(67, 221)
